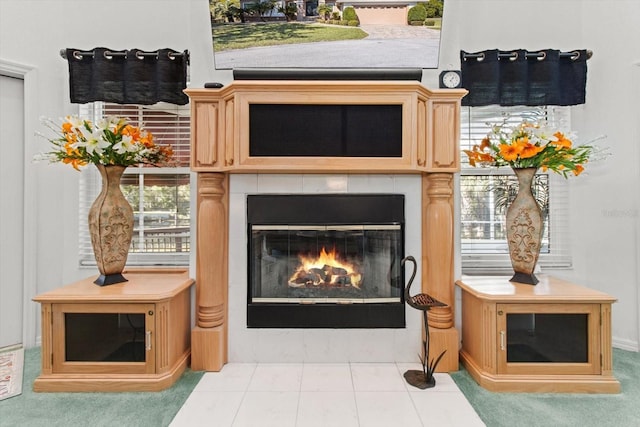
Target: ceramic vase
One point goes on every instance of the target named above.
(524, 229)
(111, 227)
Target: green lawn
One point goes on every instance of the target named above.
(240, 36)
(437, 23)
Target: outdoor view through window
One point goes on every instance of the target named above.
(326, 33)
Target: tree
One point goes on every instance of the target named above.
(325, 10)
(417, 13)
(290, 11)
(434, 8)
(349, 14)
(262, 8)
(224, 10)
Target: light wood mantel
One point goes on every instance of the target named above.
(220, 126)
(220, 145)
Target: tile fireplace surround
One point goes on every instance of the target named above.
(316, 345)
(419, 166)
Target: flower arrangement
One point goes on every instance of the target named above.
(110, 141)
(530, 145)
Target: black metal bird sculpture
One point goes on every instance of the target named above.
(424, 302)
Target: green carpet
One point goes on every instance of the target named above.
(560, 409)
(92, 409)
(158, 409)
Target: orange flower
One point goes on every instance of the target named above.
(147, 140)
(131, 131)
(76, 163)
(66, 127)
(486, 143)
(530, 150)
(510, 152)
(578, 170)
(562, 142)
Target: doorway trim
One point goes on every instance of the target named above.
(28, 74)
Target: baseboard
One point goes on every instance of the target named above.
(624, 344)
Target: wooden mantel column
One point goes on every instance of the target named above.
(437, 265)
(437, 245)
(209, 336)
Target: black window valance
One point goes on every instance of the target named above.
(127, 76)
(520, 77)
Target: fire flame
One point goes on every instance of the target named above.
(326, 269)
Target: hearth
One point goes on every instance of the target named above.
(325, 261)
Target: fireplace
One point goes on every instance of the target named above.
(325, 261)
(231, 162)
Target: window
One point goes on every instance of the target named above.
(485, 194)
(160, 197)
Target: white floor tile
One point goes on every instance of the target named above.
(327, 409)
(232, 377)
(445, 409)
(326, 377)
(202, 407)
(386, 409)
(267, 409)
(377, 377)
(315, 394)
(276, 377)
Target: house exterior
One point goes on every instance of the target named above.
(379, 12)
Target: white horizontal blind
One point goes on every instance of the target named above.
(484, 192)
(159, 196)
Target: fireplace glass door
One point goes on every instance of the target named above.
(343, 264)
(344, 272)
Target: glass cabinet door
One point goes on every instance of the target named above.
(548, 338)
(90, 338)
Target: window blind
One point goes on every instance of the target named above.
(485, 192)
(160, 197)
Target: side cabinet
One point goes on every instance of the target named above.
(132, 336)
(552, 337)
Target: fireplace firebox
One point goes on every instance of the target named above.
(325, 261)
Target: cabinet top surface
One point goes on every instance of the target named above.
(142, 286)
(549, 289)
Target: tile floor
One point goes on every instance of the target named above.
(332, 395)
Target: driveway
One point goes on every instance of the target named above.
(387, 46)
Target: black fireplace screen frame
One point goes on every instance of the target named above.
(327, 209)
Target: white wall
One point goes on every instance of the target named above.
(605, 203)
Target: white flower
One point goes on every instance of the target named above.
(92, 141)
(126, 145)
(76, 123)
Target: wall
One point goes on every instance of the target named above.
(605, 202)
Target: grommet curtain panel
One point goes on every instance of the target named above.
(519, 77)
(127, 76)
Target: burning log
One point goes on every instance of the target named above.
(331, 273)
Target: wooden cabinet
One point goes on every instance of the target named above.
(551, 337)
(132, 336)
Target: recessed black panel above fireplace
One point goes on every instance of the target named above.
(284, 130)
(326, 261)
